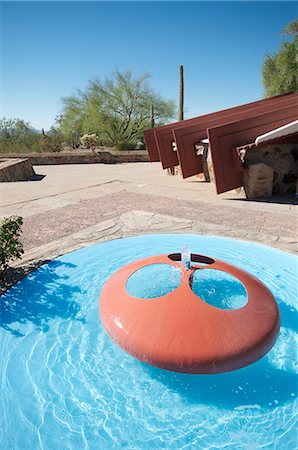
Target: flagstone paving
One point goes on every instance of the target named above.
(74, 206)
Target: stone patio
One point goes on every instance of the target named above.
(77, 205)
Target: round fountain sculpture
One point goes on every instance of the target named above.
(181, 332)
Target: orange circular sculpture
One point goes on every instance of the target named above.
(181, 332)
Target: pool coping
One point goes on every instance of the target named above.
(129, 224)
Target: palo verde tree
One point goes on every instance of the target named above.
(280, 71)
(118, 109)
(70, 123)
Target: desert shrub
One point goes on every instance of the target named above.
(89, 140)
(126, 145)
(17, 136)
(73, 139)
(50, 143)
(54, 143)
(10, 246)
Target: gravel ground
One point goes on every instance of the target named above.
(43, 228)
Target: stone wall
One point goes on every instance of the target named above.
(271, 169)
(83, 157)
(15, 170)
(268, 169)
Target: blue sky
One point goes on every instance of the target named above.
(51, 48)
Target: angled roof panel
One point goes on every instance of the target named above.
(151, 145)
(224, 140)
(187, 137)
(164, 140)
(164, 135)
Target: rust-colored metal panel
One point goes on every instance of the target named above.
(164, 135)
(164, 140)
(224, 139)
(151, 145)
(187, 137)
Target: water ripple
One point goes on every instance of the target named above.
(65, 385)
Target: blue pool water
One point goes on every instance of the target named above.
(66, 385)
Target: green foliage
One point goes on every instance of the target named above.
(17, 136)
(70, 123)
(127, 145)
(10, 246)
(51, 142)
(117, 109)
(280, 71)
(291, 29)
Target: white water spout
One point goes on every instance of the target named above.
(186, 257)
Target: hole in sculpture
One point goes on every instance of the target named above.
(155, 280)
(200, 259)
(219, 289)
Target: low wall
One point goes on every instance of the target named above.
(81, 157)
(15, 169)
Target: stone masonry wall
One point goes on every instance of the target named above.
(268, 169)
(282, 168)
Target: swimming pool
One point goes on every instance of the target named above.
(66, 385)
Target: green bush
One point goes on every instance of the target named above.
(126, 145)
(49, 143)
(10, 246)
(17, 136)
